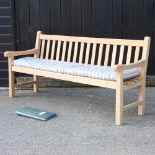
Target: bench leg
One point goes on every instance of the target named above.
(36, 84)
(141, 99)
(119, 107)
(11, 85)
(11, 80)
(119, 98)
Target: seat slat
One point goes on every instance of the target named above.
(93, 54)
(53, 50)
(75, 52)
(129, 54)
(69, 51)
(42, 49)
(106, 55)
(47, 49)
(114, 55)
(87, 53)
(58, 50)
(64, 51)
(121, 55)
(100, 54)
(137, 53)
(81, 52)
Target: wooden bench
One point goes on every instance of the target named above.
(120, 54)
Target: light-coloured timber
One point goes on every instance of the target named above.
(81, 53)
(19, 85)
(75, 52)
(93, 54)
(36, 55)
(114, 55)
(90, 40)
(129, 54)
(20, 53)
(47, 49)
(69, 51)
(137, 53)
(59, 76)
(106, 55)
(64, 51)
(58, 50)
(129, 106)
(42, 49)
(100, 55)
(53, 48)
(87, 53)
(121, 55)
(50, 45)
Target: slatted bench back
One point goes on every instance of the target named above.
(96, 51)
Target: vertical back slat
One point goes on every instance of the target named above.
(88, 50)
(47, 49)
(93, 54)
(106, 55)
(87, 53)
(69, 52)
(121, 55)
(42, 49)
(81, 52)
(38, 43)
(129, 54)
(100, 54)
(58, 50)
(75, 51)
(114, 55)
(53, 50)
(63, 51)
(137, 53)
(146, 47)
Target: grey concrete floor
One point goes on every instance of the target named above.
(84, 125)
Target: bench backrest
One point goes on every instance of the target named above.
(98, 51)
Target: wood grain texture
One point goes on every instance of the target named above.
(137, 51)
(53, 50)
(87, 53)
(106, 55)
(64, 51)
(58, 50)
(81, 52)
(69, 51)
(100, 54)
(42, 49)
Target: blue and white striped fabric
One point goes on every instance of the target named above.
(91, 71)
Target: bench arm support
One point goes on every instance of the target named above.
(119, 85)
(119, 68)
(20, 53)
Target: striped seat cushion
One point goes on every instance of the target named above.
(91, 71)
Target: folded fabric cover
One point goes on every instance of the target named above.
(91, 71)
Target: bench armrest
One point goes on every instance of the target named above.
(19, 53)
(118, 68)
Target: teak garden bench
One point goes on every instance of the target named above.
(86, 59)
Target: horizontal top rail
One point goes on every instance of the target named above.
(109, 41)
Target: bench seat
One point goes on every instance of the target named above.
(84, 70)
